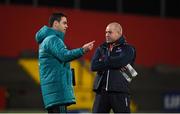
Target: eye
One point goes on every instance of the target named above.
(108, 32)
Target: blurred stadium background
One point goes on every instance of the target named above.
(152, 26)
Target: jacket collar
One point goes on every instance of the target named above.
(120, 41)
(58, 33)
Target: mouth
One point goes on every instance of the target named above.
(108, 38)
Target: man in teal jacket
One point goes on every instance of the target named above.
(54, 66)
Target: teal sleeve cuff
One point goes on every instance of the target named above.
(82, 52)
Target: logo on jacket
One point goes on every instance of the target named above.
(118, 50)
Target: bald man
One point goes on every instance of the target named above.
(109, 61)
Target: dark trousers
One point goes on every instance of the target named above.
(105, 101)
(57, 109)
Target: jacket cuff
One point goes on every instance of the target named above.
(82, 51)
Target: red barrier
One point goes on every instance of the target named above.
(155, 39)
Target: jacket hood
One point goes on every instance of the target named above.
(47, 31)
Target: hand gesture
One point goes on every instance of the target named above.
(87, 47)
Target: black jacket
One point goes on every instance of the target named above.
(107, 64)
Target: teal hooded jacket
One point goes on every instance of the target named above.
(54, 67)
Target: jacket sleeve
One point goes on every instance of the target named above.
(58, 49)
(127, 56)
(97, 64)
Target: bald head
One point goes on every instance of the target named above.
(113, 32)
(116, 26)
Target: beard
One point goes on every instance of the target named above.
(109, 40)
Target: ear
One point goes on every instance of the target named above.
(119, 33)
(55, 24)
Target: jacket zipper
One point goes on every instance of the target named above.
(107, 79)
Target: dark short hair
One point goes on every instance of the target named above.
(55, 17)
